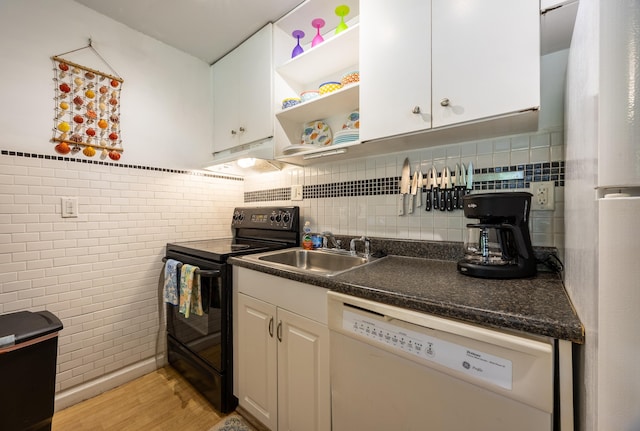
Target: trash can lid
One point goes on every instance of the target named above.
(23, 326)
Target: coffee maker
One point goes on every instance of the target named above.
(499, 246)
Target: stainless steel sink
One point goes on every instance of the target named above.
(320, 262)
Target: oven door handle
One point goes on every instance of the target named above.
(208, 272)
(200, 272)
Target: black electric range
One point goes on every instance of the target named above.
(200, 347)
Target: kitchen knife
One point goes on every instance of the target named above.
(432, 185)
(456, 188)
(448, 184)
(420, 184)
(404, 185)
(444, 182)
(470, 177)
(463, 185)
(414, 191)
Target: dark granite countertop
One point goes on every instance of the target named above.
(537, 305)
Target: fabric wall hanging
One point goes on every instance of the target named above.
(87, 109)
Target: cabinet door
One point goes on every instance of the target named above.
(257, 356)
(226, 105)
(304, 394)
(395, 66)
(243, 92)
(485, 58)
(255, 79)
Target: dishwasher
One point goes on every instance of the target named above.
(398, 369)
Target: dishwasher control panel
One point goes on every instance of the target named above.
(489, 368)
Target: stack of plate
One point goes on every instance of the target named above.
(346, 135)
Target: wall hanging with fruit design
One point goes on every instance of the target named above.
(87, 109)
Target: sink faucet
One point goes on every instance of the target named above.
(329, 240)
(365, 241)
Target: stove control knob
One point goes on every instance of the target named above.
(278, 218)
(286, 218)
(241, 216)
(272, 217)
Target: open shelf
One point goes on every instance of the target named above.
(336, 53)
(344, 99)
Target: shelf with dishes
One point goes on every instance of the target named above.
(344, 99)
(335, 109)
(321, 138)
(315, 82)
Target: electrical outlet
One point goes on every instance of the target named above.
(69, 207)
(543, 196)
(296, 192)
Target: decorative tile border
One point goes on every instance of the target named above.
(118, 165)
(279, 194)
(533, 172)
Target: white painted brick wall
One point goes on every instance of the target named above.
(99, 272)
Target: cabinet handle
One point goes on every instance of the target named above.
(271, 327)
(444, 102)
(280, 331)
(416, 110)
(241, 129)
(233, 132)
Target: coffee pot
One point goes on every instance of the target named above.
(499, 245)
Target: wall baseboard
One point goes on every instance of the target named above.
(95, 387)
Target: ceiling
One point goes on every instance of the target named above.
(206, 29)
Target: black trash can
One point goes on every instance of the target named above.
(28, 352)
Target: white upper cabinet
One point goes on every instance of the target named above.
(485, 59)
(429, 64)
(395, 60)
(243, 93)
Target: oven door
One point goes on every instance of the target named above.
(205, 335)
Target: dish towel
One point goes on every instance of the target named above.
(190, 297)
(170, 290)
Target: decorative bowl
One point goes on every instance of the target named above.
(328, 87)
(290, 101)
(309, 95)
(350, 78)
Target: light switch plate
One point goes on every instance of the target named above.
(69, 207)
(296, 192)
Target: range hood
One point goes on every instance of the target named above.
(251, 158)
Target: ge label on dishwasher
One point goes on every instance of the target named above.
(484, 366)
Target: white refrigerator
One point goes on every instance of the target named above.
(602, 210)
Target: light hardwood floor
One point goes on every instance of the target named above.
(161, 400)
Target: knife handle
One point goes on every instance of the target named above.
(401, 204)
(427, 201)
(449, 197)
(459, 192)
(442, 204)
(419, 197)
(436, 198)
(411, 201)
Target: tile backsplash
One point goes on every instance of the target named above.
(359, 197)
